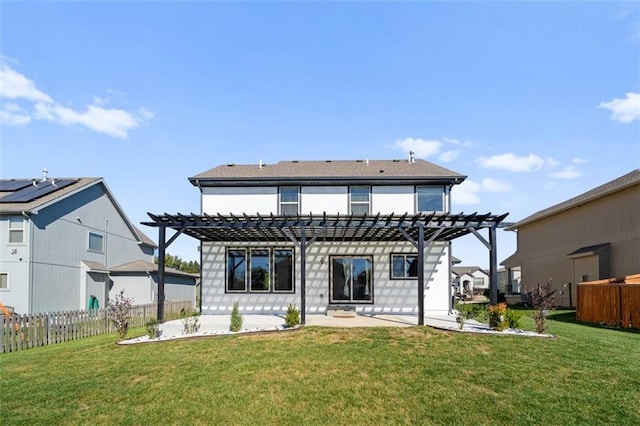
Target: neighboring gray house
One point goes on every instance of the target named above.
(369, 236)
(59, 239)
(139, 280)
(470, 279)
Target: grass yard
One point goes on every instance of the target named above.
(376, 376)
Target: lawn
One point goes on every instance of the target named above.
(586, 375)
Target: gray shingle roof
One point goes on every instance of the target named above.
(342, 169)
(144, 266)
(630, 179)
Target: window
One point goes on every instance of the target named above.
(478, 282)
(4, 281)
(289, 200)
(359, 202)
(16, 229)
(430, 198)
(260, 270)
(95, 242)
(351, 279)
(404, 266)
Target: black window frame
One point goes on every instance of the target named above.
(249, 273)
(404, 257)
(352, 301)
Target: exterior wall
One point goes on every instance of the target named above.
(60, 244)
(15, 261)
(389, 296)
(543, 245)
(178, 288)
(313, 199)
(139, 286)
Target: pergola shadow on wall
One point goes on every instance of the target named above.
(303, 230)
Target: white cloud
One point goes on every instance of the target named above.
(513, 163)
(569, 172)
(494, 185)
(97, 116)
(423, 148)
(466, 193)
(14, 85)
(448, 156)
(624, 110)
(578, 160)
(12, 115)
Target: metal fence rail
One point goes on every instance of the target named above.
(19, 332)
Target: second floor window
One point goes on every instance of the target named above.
(95, 242)
(289, 200)
(16, 229)
(360, 200)
(430, 198)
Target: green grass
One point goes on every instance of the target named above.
(318, 375)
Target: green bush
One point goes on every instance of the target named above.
(191, 323)
(153, 328)
(236, 319)
(514, 318)
(293, 316)
(465, 312)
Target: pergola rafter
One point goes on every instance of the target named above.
(303, 230)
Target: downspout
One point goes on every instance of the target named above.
(30, 267)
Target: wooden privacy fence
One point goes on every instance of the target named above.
(615, 301)
(29, 331)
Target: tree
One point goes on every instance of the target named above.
(175, 262)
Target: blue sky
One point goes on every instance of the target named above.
(535, 102)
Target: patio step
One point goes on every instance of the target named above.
(341, 311)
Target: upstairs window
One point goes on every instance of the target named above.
(16, 229)
(289, 200)
(4, 281)
(96, 242)
(430, 198)
(360, 200)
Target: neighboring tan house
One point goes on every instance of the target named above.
(509, 280)
(369, 236)
(470, 279)
(59, 240)
(593, 236)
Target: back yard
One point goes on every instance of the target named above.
(319, 375)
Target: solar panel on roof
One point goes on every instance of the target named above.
(14, 184)
(33, 192)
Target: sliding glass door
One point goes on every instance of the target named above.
(351, 279)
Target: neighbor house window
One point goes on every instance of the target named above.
(404, 266)
(4, 281)
(16, 229)
(478, 282)
(289, 200)
(260, 270)
(430, 198)
(360, 200)
(351, 279)
(96, 242)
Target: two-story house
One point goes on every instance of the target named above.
(373, 236)
(60, 240)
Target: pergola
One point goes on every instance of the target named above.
(303, 230)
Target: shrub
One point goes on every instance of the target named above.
(541, 298)
(153, 328)
(498, 317)
(120, 313)
(465, 312)
(236, 319)
(514, 318)
(293, 316)
(191, 323)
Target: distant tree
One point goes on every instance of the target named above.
(175, 262)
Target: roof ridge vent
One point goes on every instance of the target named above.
(412, 157)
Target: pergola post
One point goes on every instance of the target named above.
(303, 273)
(420, 274)
(161, 255)
(493, 266)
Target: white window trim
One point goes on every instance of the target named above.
(288, 203)
(361, 203)
(21, 229)
(8, 288)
